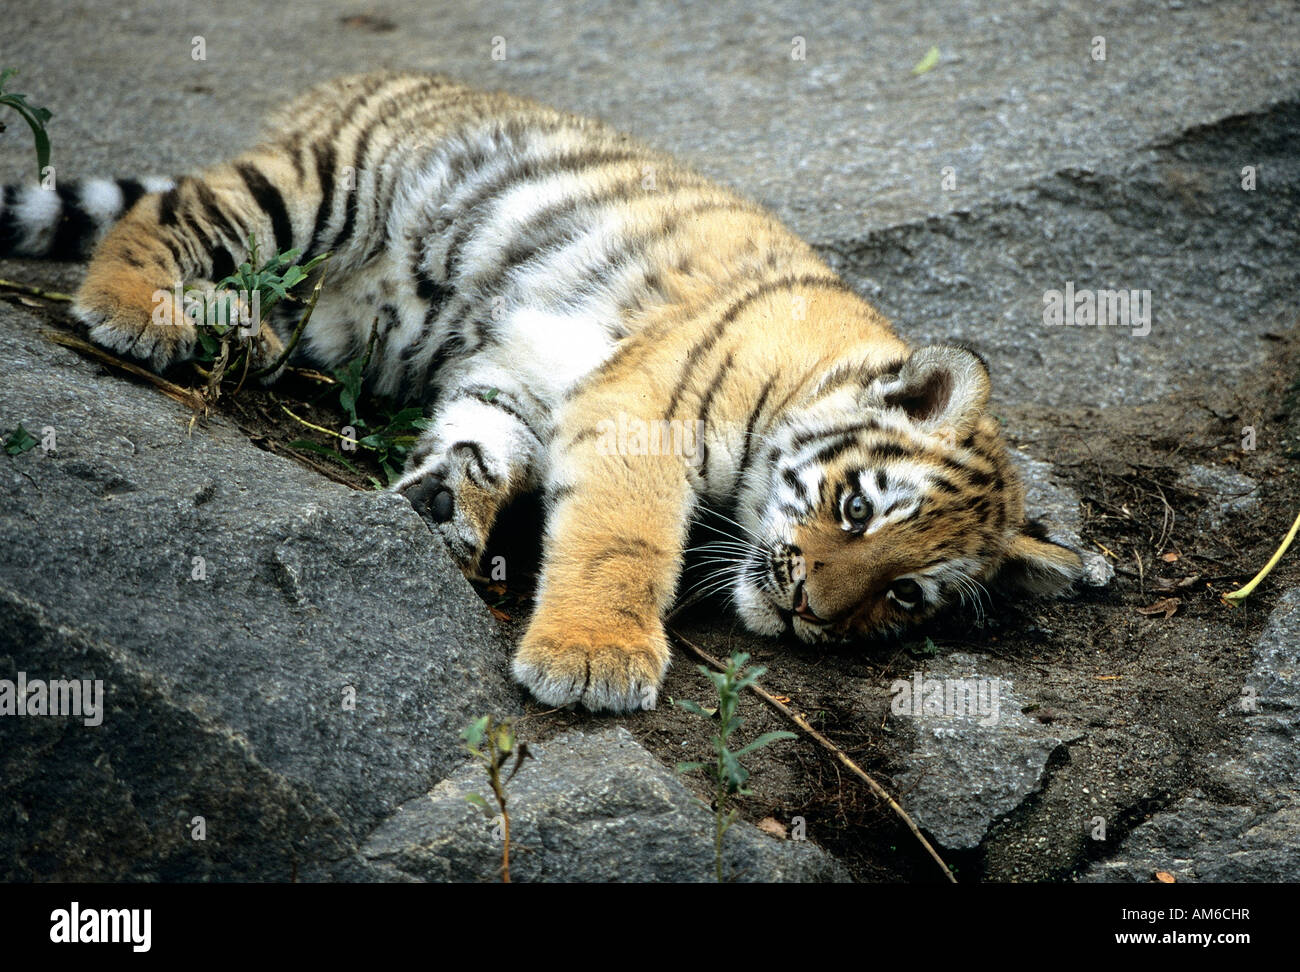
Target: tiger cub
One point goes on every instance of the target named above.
(545, 284)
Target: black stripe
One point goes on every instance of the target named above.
(548, 230)
(519, 173)
(729, 317)
(833, 450)
(889, 450)
(750, 431)
(497, 403)
(807, 438)
(945, 485)
(75, 228)
(167, 205)
(271, 202)
(223, 264)
(477, 455)
(132, 191)
(325, 161)
(714, 384)
(794, 482)
(10, 230)
(212, 211)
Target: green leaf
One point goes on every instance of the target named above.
(928, 62)
(691, 767)
(308, 446)
(19, 441)
(766, 739)
(34, 117)
(694, 708)
(473, 733)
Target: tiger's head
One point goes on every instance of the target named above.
(884, 498)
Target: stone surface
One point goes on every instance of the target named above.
(309, 589)
(589, 807)
(1199, 840)
(1228, 492)
(968, 769)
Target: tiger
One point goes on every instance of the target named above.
(535, 278)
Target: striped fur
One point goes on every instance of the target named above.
(542, 282)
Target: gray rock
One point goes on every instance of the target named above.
(225, 695)
(969, 767)
(590, 807)
(1230, 493)
(1197, 840)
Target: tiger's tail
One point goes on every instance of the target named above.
(66, 222)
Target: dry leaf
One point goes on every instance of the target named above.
(770, 825)
(1171, 557)
(1166, 606)
(1164, 877)
(499, 614)
(783, 699)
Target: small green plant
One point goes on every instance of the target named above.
(390, 430)
(19, 441)
(257, 284)
(493, 744)
(725, 771)
(35, 118)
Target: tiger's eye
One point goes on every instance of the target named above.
(857, 509)
(906, 592)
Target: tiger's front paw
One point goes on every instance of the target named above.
(606, 668)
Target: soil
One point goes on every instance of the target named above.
(1145, 690)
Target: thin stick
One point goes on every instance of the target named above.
(838, 753)
(297, 332)
(1236, 597)
(31, 291)
(173, 391)
(302, 421)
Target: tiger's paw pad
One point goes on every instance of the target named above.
(604, 673)
(453, 505)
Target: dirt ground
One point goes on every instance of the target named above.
(1144, 689)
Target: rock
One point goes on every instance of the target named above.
(591, 807)
(968, 769)
(1229, 492)
(232, 602)
(1198, 840)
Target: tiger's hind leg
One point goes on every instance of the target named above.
(190, 235)
(483, 449)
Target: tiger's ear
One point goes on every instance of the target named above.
(941, 388)
(1037, 565)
